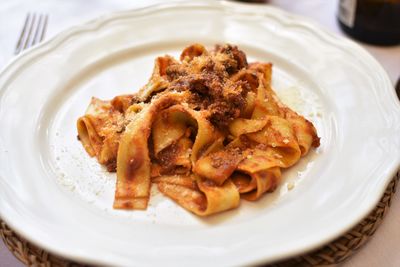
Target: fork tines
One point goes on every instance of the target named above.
(33, 31)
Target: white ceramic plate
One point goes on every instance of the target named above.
(52, 193)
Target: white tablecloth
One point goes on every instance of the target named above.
(381, 250)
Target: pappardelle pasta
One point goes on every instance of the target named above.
(207, 129)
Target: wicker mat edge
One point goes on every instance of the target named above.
(333, 253)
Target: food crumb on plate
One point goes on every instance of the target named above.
(290, 186)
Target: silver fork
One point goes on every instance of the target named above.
(33, 32)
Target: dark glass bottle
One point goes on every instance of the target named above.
(371, 21)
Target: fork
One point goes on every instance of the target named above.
(33, 32)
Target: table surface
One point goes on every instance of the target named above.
(381, 250)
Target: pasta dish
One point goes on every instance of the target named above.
(207, 129)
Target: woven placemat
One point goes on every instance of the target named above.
(330, 254)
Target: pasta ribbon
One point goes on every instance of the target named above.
(207, 129)
(206, 133)
(202, 197)
(158, 80)
(218, 166)
(100, 128)
(133, 162)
